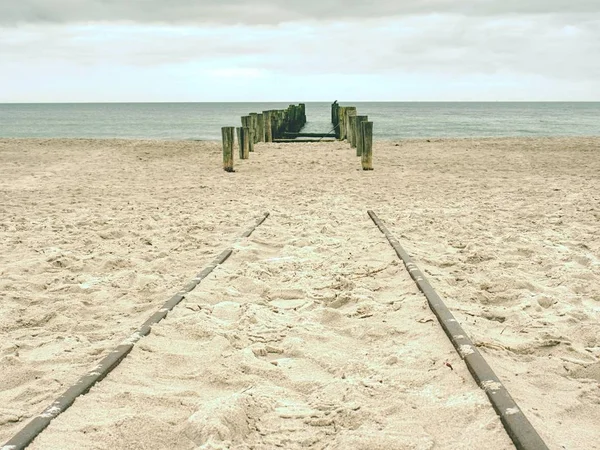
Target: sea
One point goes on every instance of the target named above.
(392, 120)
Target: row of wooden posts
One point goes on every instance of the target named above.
(357, 130)
(274, 124)
(257, 127)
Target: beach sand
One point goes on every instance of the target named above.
(312, 334)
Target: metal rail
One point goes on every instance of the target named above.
(518, 427)
(38, 424)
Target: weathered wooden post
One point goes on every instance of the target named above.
(240, 139)
(246, 121)
(352, 132)
(367, 151)
(273, 119)
(288, 118)
(243, 141)
(359, 135)
(254, 126)
(350, 111)
(341, 122)
(228, 134)
(335, 118)
(250, 140)
(294, 122)
(277, 117)
(296, 119)
(261, 127)
(302, 115)
(246, 137)
(276, 123)
(268, 129)
(299, 117)
(280, 123)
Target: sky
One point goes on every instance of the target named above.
(309, 50)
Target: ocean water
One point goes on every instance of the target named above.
(392, 120)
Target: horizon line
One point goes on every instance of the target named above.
(296, 101)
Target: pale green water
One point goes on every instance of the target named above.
(392, 120)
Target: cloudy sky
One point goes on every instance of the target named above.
(289, 50)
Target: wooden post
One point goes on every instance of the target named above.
(277, 116)
(268, 129)
(341, 123)
(288, 118)
(275, 123)
(359, 135)
(240, 139)
(254, 127)
(295, 122)
(335, 118)
(244, 144)
(302, 107)
(246, 121)
(261, 127)
(280, 123)
(273, 118)
(250, 140)
(350, 111)
(228, 134)
(352, 134)
(367, 153)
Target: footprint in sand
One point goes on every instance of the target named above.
(286, 298)
(589, 372)
(249, 285)
(225, 420)
(227, 311)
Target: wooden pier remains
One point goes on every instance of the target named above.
(267, 126)
(273, 124)
(349, 126)
(285, 126)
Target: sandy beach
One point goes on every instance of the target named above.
(312, 334)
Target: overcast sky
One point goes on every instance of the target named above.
(236, 50)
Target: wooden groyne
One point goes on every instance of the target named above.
(355, 129)
(267, 126)
(285, 126)
(281, 121)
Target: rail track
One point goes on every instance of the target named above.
(310, 337)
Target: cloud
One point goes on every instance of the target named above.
(469, 45)
(269, 11)
(447, 44)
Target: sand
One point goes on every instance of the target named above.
(312, 334)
